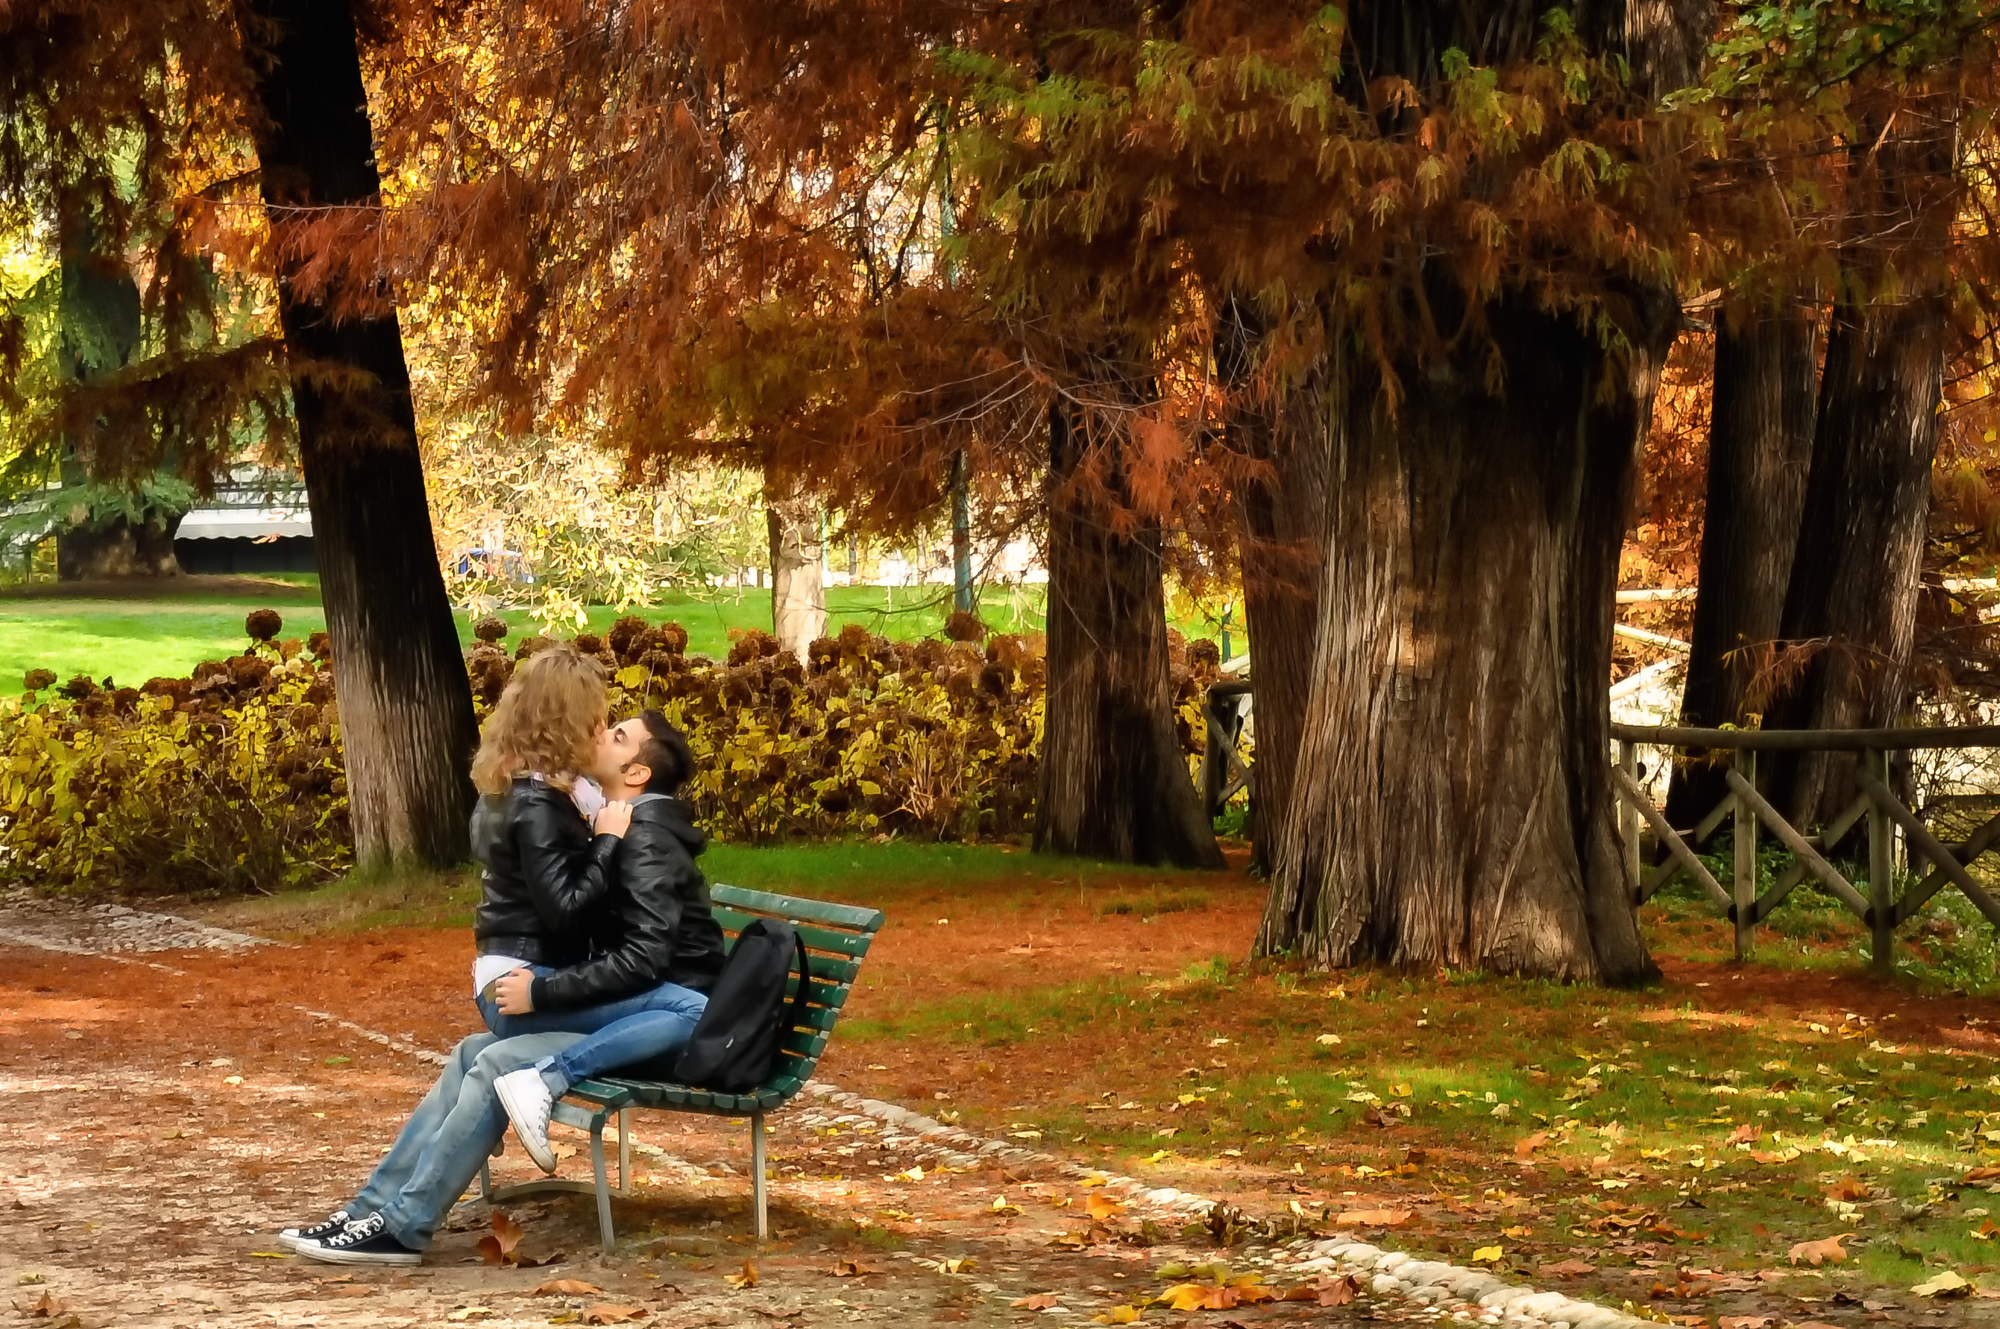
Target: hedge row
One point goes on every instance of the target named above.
(231, 779)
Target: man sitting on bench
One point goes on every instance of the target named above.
(658, 941)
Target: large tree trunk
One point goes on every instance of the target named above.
(1850, 608)
(1854, 580)
(1760, 441)
(405, 705)
(798, 599)
(1282, 515)
(118, 549)
(1114, 780)
(1453, 805)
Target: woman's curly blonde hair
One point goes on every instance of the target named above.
(547, 719)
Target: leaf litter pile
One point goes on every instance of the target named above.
(1741, 1148)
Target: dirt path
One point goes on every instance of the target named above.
(164, 1112)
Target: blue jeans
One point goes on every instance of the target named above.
(450, 1134)
(620, 1033)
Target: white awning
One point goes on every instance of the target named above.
(244, 523)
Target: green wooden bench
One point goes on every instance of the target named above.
(837, 936)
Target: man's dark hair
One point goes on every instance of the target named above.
(665, 753)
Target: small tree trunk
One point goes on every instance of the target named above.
(118, 550)
(1113, 781)
(1854, 580)
(405, 705)
(798, 600)
(1452, 804)
(1759, 446)
(1282, 516)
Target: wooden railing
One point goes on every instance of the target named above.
(1744, 809)
(1224, 773)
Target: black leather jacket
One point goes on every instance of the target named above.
(659, 927)
(546, 876)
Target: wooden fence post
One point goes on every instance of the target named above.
(1628, 816)
(1746, 857)
(1881, 869)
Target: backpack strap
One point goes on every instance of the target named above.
(798, 1002)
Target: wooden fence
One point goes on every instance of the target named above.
(1743, 808)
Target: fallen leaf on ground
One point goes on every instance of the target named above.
(852, 1269)
(1116, 1315)
(1569, 1269)
(1980, 1174)
(1946, 1284)
(1849, 1187)
(1527, 1144)
(748, 1278)
(1487, 1255)
(1001, 1207)
(1816, 1253)
(614, 1314)
(472, 1313)
(1746, 1322)
(498, 1246)
(1103, 1206)
(1374, 1218)
(565, 1287)
(1337, 1291)
(1037, 1301)
(963, 1265)
(46, 1305)
(1745, 1134)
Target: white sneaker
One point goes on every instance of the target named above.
(528, 1105)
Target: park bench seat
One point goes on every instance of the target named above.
(837, 937)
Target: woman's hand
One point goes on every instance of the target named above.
(614, 818)
(513, 992)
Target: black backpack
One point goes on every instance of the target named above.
(735, 1044)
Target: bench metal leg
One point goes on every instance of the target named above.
(597, 1169)
(486, 1181)
(624, 1150)
(757, 1176)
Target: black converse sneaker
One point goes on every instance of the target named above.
(291, 1237)
(363, 1241)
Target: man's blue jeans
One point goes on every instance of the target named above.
(633, 1029)
(450, 1134)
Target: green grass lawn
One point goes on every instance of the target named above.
(133, 639)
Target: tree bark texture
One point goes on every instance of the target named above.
(405, 706)
(1760, 442)
(1281, 514)
(1113, 781)
(1453, 805)
(798, 599)
(1854, 579)
(118, 549)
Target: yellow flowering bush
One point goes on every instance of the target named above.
(232, 780)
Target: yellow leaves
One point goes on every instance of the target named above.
(565, 1287)
(746, 1278)
(1328, 1040)
(1488, 1255)
(1002, 1208)
(910, 1174)
(1036, 1301)
(1101, 1207)
(1943, 1286)
(1816, 1253)
(1117, 1315)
